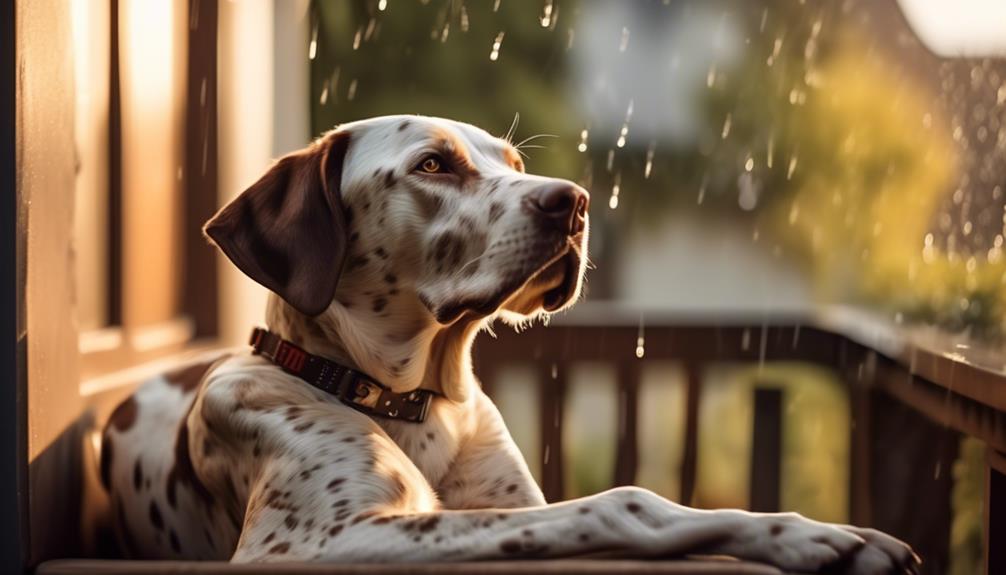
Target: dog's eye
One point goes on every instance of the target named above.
(432, 165)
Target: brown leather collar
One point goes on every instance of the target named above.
(353, 388)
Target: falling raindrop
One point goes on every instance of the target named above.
(357, 38)
(746, 339)
(726, 126)
(648, 168)
(382, 5)
(749, 164)
(351, 92)
(621, 136)
(624, 43)
(640, 341)
(495, 53)
(324, 95)
(496, 5)
(312, 48)
(582, 146)
(611, 163)
(445, 32)
(791, 168)
(711, 76)
(546, 14)
(615, 189)
(771, 151)
(555, 370)
(464, 18)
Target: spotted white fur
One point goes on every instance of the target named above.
(232, 458)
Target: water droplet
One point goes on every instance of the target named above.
(546, 14)
(555, 370)
(648, 168)
(312, 48)
(771, 151)
(640, 340)
(464, 18)
(615, 189)
(495, 53)
(324, 95)
(357, 38)
(621, 136)
(351, 92)
(382, 5)
(749, 164)
(582, 146)
(711, 76)
(624, 43)
(792, 167)
(496, 5)
(726, 127)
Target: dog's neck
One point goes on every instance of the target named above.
(403, 354)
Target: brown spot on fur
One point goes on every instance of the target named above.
(124, 415)
(363, 516)
(268, 538)
(511, 488)
(381, 253)
(291, 521)
(403, 125)
(510, 547)
(155, 516)
(137, 475)
(303, 427)
(584, 510)
(335, 483)
(335, 530)
(189, 377)
(429, 524)
(279, 548)
(584, 538)
(379, 304)
(389, 179)
(106, 462)
(183, 472)
(776, 529)
(632, 507)
(390, 278)
(495, 211)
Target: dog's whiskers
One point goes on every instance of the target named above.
(532, 138)
(513, 127)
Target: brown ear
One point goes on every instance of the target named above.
(288, 230)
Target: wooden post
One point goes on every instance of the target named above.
(627, 450)
(689, 460)
(766, 450)
(995, 513)
(552, 388)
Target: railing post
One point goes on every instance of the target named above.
(766, 450)
(995, 513)
(627, 450)
(552, 390)
(689, 460)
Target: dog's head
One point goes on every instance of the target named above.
(404, 210)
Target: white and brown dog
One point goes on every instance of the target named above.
(388, 245)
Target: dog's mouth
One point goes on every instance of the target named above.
(562, 274)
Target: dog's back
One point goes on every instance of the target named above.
(146, 469)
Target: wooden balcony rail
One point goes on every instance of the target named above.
(912, 395)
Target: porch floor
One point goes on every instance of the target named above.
(564, 567)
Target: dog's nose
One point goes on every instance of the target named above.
(564, 204)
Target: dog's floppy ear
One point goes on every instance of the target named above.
(288, 230)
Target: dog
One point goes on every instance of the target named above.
(388, 244)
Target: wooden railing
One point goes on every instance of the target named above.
(910, 404)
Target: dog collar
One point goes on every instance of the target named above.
(353, 388)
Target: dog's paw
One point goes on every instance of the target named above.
(882, 555)
(794, 543)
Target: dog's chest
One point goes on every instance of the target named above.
(433, 444)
